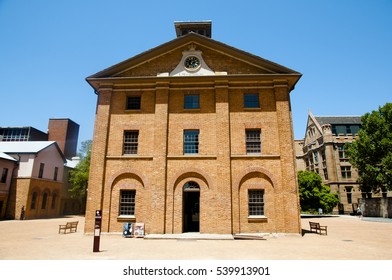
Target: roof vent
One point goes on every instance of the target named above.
(199, 27)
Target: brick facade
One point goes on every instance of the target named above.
(65, 132)
(221, 168)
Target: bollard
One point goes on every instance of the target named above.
(97, 230)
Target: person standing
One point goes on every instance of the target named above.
(359, 212)
(22, 213)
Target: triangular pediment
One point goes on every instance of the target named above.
(313, 130)
(217, 58)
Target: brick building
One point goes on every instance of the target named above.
(194, 135)
(34, 170)
(7, 165)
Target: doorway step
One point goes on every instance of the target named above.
(191, 236)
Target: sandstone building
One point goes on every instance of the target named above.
(194, 136)
(323, 151)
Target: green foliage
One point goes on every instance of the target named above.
(313, 194)
(371, 153)
(78, 177)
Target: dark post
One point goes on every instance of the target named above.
(97, 230)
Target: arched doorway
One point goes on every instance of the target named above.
(191, 207)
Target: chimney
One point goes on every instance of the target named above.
(65, 132)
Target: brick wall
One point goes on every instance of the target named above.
(222, 169)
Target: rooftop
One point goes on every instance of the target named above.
(7, 157)
(24, 147)
(339, 120)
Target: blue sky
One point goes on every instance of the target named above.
(48, 48)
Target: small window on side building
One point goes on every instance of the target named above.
(4, 174)
(56, 171)
(41, 170)
(34, 200)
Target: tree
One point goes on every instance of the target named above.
(78, 177)
(371, 153)
(313, 194)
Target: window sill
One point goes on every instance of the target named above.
(126, 218)
(191, 156)
(192, 110)
(255, 219)
(130, 157)
(252, 109)
(256, 156)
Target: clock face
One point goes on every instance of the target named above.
(192, 63)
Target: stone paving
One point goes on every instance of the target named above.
(349, 238)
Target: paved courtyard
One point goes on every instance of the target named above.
(349, 238)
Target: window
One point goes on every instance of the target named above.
(15, 134)
(127, 202)
(346, 171)
(345, 129)
(4, 174)
(54, 197)
(191, 141)
(325, 171)
(355, 129)
(191, 186)
(251, 100)
(316, 157)
(253, 141)
(342, 153)
(33, 200)
(44, 199)
(191, 101)
(41, 170)
(349, 194)
(133, 102)
(56, 171)
(256, 202)
(131, 139)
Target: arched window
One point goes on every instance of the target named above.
(34, 200)
(44, 199)
(191, 186)
(54, 197)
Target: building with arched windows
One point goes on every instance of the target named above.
(34, 168)
(37, 182)
(194, 136)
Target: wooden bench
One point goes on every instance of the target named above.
(71, 226)
(317, 228)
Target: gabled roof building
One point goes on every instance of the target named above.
(35, 190)
(34, 167)
(323, 151)
(194, 136)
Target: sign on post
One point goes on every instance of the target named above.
(97, 230)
